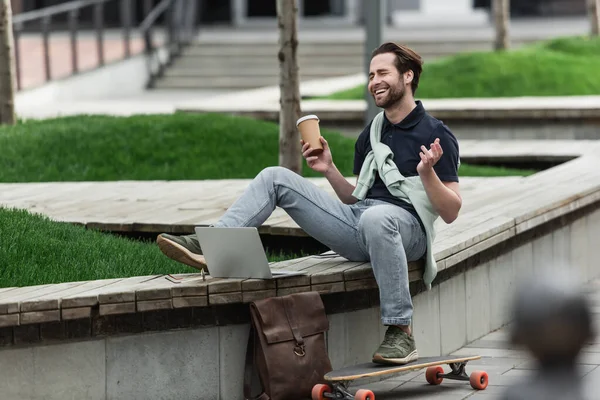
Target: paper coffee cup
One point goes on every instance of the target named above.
(310, 132)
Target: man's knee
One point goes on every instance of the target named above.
(274, 173)
(376, 220)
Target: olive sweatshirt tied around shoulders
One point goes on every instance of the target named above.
(381, 160)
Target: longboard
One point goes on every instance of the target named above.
(341, 378)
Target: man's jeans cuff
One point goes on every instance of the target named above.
(395, 321)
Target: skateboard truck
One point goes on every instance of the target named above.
(340, 391)
(458, 372)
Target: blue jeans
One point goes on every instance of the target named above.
(370, 230)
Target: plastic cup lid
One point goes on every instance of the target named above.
(306, 117)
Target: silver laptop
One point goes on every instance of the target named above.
(236, 253)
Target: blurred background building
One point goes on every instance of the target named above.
(344, 12)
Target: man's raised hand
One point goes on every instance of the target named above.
(429, 157)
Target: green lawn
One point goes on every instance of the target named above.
(35, 250)
(156, 147)
(559, 67)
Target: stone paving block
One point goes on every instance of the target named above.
(384, 386)
(491, 369)
(492, 344)
(591, 384)
(453, 322)
(233, 341)
(73, 370)
(586, 369)
(426, 322)
(408, 376)
(491, 392)
(177, 364)
(589, 358)
(529, 364)
(424, 391)
(530, 368)
(592, 348)
(501, 353)
(484, 395)
(518, 373)
(477, 305)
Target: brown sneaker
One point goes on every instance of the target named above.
(184, 249)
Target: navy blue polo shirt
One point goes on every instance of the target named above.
(405, 139)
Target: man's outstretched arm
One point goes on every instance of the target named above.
(444, 196)
(323, 163)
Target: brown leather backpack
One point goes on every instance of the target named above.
(287, 346)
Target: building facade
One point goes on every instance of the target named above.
(242, 13)
(252, 12)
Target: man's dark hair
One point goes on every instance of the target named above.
(406, 59)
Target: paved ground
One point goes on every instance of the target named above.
(146, 102)
(506, 366)
(168, 101)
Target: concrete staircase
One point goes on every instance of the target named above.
(231, 66)
(242, 66)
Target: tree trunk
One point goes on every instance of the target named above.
(502, 20)
(7, 73)
(290, 151)
(594, 12)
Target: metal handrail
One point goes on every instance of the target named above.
(180, 28)
(154, 15)
(54, 10)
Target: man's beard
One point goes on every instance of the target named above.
(394, 96)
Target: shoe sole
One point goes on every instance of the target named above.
(179, 253)
(400, 361)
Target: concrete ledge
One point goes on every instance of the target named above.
(473, 109)
(575, 117)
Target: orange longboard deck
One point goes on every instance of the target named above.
(368, 370)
